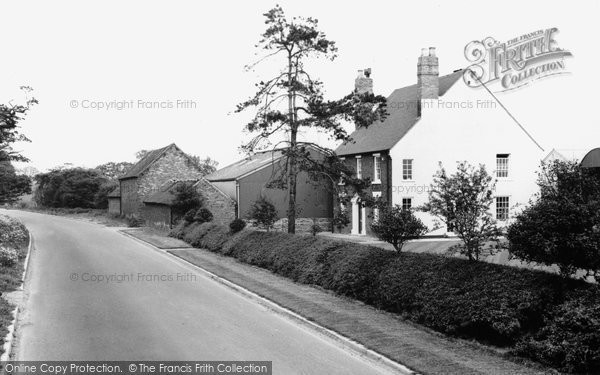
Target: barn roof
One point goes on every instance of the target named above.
(245, 166)
(150, 158)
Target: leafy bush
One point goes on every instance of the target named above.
(8, 257)
(237, 225)
(203, 215)
(263, 212)
(563, 225)
(178, 231)
(134, 221)
(186, 198)
(571, 338)
(188, 217)
(13, 233)
(315, 229)
(74, 187)
(196, 231)
(396, 225)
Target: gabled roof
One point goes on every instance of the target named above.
(245, 166)
(166, 193)
(402, 115)
(150, 158)
(115, 193)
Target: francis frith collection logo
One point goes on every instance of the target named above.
(514, 63)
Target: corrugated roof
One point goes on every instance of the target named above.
(402, 115)
(115, 193)
(166, 194)
(244, 166)
(141, 166)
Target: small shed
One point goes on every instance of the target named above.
(114, 201)
(157, 211)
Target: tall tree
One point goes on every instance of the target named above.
(293, 100)
(10, 117)
(206, 165)
(112, 170)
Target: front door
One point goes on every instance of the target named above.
(358, 216)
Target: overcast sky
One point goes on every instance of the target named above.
(73, 52)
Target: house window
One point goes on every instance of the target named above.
(407, 169)
(406, 203)
(376, 169)
(358, 167)
(502, 165)
(502, 206)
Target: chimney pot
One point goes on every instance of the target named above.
(431, 51)
(424, 52)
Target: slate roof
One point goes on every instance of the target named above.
(402, 116)
(145, 163)
(166, 193)
(244, 166)
(116, 193)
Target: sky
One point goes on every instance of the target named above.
(186, 59)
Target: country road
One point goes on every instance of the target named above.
(94, 294)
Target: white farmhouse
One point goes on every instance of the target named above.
(439, 121)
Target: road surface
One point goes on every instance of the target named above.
(94, 294)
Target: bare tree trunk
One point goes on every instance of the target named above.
(291, 177)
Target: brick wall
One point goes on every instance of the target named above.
(384, 187)
(218, 203)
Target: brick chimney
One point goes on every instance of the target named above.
(364, 82)
(428, 84)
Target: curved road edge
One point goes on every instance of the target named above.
(346, 343)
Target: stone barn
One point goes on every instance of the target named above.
(149, 174)
(158, 211)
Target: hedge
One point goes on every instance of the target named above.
(534, 314)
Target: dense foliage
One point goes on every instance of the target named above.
(463, 200)
(12, 185)
(263, 212)
(396, 226)
(562, 226)
(186, 198)
(237, 225)
(70, 188)
(535, 314)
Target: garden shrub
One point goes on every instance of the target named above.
(13, 233)
(539, 315)
(178, 231)
(134, 221)
(570, 340)
(8, 257)
(188, 217)
(237, 225)
(203, 215)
